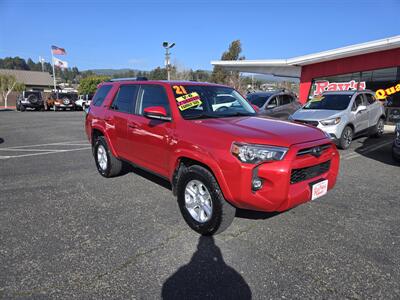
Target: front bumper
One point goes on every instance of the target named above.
(277, 192)
(63, 105)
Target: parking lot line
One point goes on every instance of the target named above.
(42, 153)
(66, 143)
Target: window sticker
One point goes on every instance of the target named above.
(317, 99)
(188, 101)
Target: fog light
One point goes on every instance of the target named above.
(257, 184)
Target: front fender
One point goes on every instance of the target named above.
(206, 159)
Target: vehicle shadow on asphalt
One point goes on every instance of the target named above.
(147, 175)
(382, 154)
(254, 215)
(206, 276)
(1, 141)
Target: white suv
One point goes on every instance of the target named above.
(344, 115)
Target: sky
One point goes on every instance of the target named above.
(129, 34)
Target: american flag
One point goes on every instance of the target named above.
(58, 51)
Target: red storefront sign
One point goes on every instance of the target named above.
(324, 85)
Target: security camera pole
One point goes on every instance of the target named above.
(168, 46)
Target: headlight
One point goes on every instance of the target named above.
(254, 154)
(330, 121)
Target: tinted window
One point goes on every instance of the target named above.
(259, 100)
(153, 95)
(330, 102)
(370, 98)
(273, 101)
(101, 94)
(126, 99)
(286, 99)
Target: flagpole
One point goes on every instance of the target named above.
(54, 73)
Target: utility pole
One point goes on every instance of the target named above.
(41, 60)
(168, 46)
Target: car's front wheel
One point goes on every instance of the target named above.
(202, 203)
(107, 164)
(346, 138)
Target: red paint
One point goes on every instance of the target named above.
(158, 146)
(358, 63)
(156, 110)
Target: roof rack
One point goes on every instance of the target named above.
(129, 79)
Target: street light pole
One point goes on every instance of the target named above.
(168, 46)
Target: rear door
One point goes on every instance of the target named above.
(374, 109)
(120, 110)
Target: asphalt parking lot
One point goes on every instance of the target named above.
(66, 232)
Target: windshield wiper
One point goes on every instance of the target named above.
(200, 116)
(238, 113)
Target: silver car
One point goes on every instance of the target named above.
(275, 104)
(344, 115)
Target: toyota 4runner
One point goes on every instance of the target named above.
(217, 158)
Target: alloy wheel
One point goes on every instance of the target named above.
(198, 201)
(102, 157)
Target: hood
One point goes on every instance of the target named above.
(261, 130)
(316, 114)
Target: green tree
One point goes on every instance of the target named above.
(8, 83)
(89, 84)
(220, 75)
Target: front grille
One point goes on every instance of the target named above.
(313, 123)
(315, 151)
(302, 174)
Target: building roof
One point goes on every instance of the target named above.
(30, 78)
(291, 67)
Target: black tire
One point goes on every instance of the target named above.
(395, 157)
(17, 107)
(22, 108)
(379, 128)
(223, 212)
(33, 99)
(346, 138)
(113, 165)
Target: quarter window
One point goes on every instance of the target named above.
(101, 94)
(286, 99)
(153, 95)
(126, 99)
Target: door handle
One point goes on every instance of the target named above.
(133, 125)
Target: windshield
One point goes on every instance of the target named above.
(329, 102)
(200, 101)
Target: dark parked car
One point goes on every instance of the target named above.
(31, 99)
(396, 144)
(276, 104)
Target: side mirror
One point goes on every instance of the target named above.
(256, 108)
(269, 106)
(361, 108)
(156, 112)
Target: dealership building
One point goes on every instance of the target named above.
(373, 65)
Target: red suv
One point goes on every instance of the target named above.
(207, 141)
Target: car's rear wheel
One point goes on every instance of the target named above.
(202, 203)
(107, 164)
(346, 138)
(22, 107)
(379, 128)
